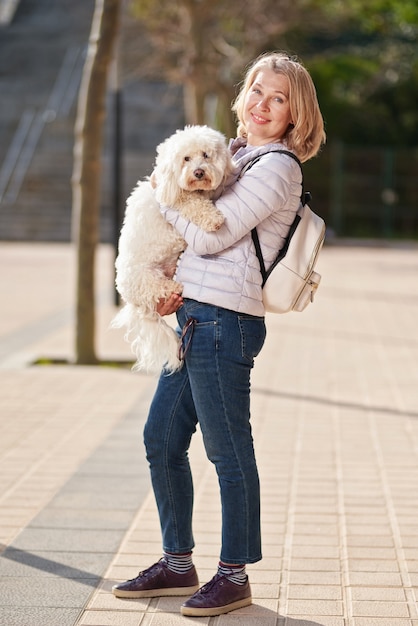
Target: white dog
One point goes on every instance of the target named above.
(190, 167)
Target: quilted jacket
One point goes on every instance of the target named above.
(221, 267)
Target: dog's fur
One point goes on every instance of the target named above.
(190, 167)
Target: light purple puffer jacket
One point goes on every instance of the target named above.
(221, 267)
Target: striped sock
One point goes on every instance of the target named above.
(236, 573)
(178, 563)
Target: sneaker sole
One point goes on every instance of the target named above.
(217, 610)
(156, 593)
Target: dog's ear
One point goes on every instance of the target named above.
(165, 175)
(167, 189)
(224, 156)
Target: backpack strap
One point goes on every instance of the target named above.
(259, 254)
(305, 198)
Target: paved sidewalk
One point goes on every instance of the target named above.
(335, 418)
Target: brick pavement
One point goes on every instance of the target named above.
(334, 409)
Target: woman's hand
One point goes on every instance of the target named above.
(169, 306)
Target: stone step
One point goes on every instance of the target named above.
(41, 61)
(7, 10)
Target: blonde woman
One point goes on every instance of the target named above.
(222, 330)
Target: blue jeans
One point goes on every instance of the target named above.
(212, 388)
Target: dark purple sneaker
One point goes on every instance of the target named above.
(218, 596)
(157, 581)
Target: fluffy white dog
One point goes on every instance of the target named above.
(191, 166)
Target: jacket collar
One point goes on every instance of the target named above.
(243, 154)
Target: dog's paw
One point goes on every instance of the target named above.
(212, 221)
(219, 219)
(177, 288)
(167, 286)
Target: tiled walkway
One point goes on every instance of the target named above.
(335, 418)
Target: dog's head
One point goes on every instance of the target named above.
(194, 159)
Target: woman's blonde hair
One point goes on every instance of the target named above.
(306, 135)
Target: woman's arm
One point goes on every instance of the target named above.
(263, 190)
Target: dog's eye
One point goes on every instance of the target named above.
(205, 155)
(187, 158)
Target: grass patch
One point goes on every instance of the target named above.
(48, 361)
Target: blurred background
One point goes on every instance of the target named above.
(181, 61)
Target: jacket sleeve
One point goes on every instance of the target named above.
(263, 190)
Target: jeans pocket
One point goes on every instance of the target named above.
(253, 334)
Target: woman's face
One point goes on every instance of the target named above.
(266, 108)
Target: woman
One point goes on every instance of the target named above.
(221, 314)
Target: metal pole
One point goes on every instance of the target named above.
(388, 195)
(117, 161)
(337, 187)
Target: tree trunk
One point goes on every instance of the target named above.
(87, 170)
(194, 103)
(195, 86)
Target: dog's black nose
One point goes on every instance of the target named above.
(199, 174)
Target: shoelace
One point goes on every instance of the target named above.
(147, 571)
(209, 586)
